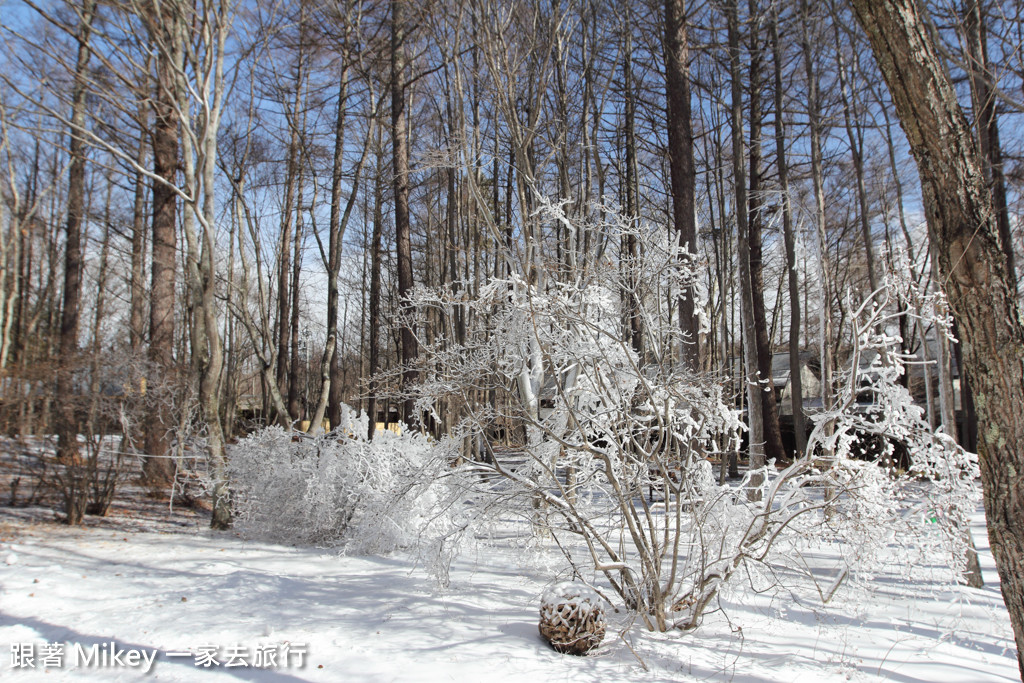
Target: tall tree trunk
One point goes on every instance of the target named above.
(206, 62)
(969, 438)
(230, 378)
(375, 265)
(403, 234)
(16, 338)
(634, 312)
(11, 243)
(158, 470)
(95, 381)
(332, 372)
(795, 379)
(260, 335)
(755, 392)
(293, 176)
(284, 320)
(947, 405)
(681, 168)
(335, 236)
(972, 262)
(295, 387)
(817, 178)
(137, 287)
(67, 432)
(986, 122)
(755, 202)
(453, 249)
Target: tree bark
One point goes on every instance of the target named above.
(158, 470)
(14, 341)
(963, 224)
(634, 314)
(93, 425)
(755, 201)
(295, 388)
(67, 432)
(681, 168)
(375, 286)
(817, 177)
(293, 176)
(795, 379)
(969, 438)
(986, 122)
(11, 242)
(403, 236)
(206, 60)
(335, 237)
(947, 405)
(137, 324)
(755, 392)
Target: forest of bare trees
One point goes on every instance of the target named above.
(219, 213)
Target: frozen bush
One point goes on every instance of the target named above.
(605, 420)
(375, 495)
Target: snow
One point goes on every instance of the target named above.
(569, 591)
(174, 586)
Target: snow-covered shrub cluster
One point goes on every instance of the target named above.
(608, 420)
(375, 495)
(617, 434)
(930, 503)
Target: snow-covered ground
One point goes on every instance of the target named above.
(182, 591)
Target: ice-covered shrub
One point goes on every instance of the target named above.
(608, 419)
(377, 495)
(929, 504)
(605, 422)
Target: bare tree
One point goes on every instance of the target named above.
(331, 380)
(403, 237)
(755, 219)
(680, 152)
(793, 278)
(986, 119)
(752, 379)
(375, 286)
(286, 316)
(137, 287)
(817, 179)
(199, 86)
(158, 470)
(67, 431)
